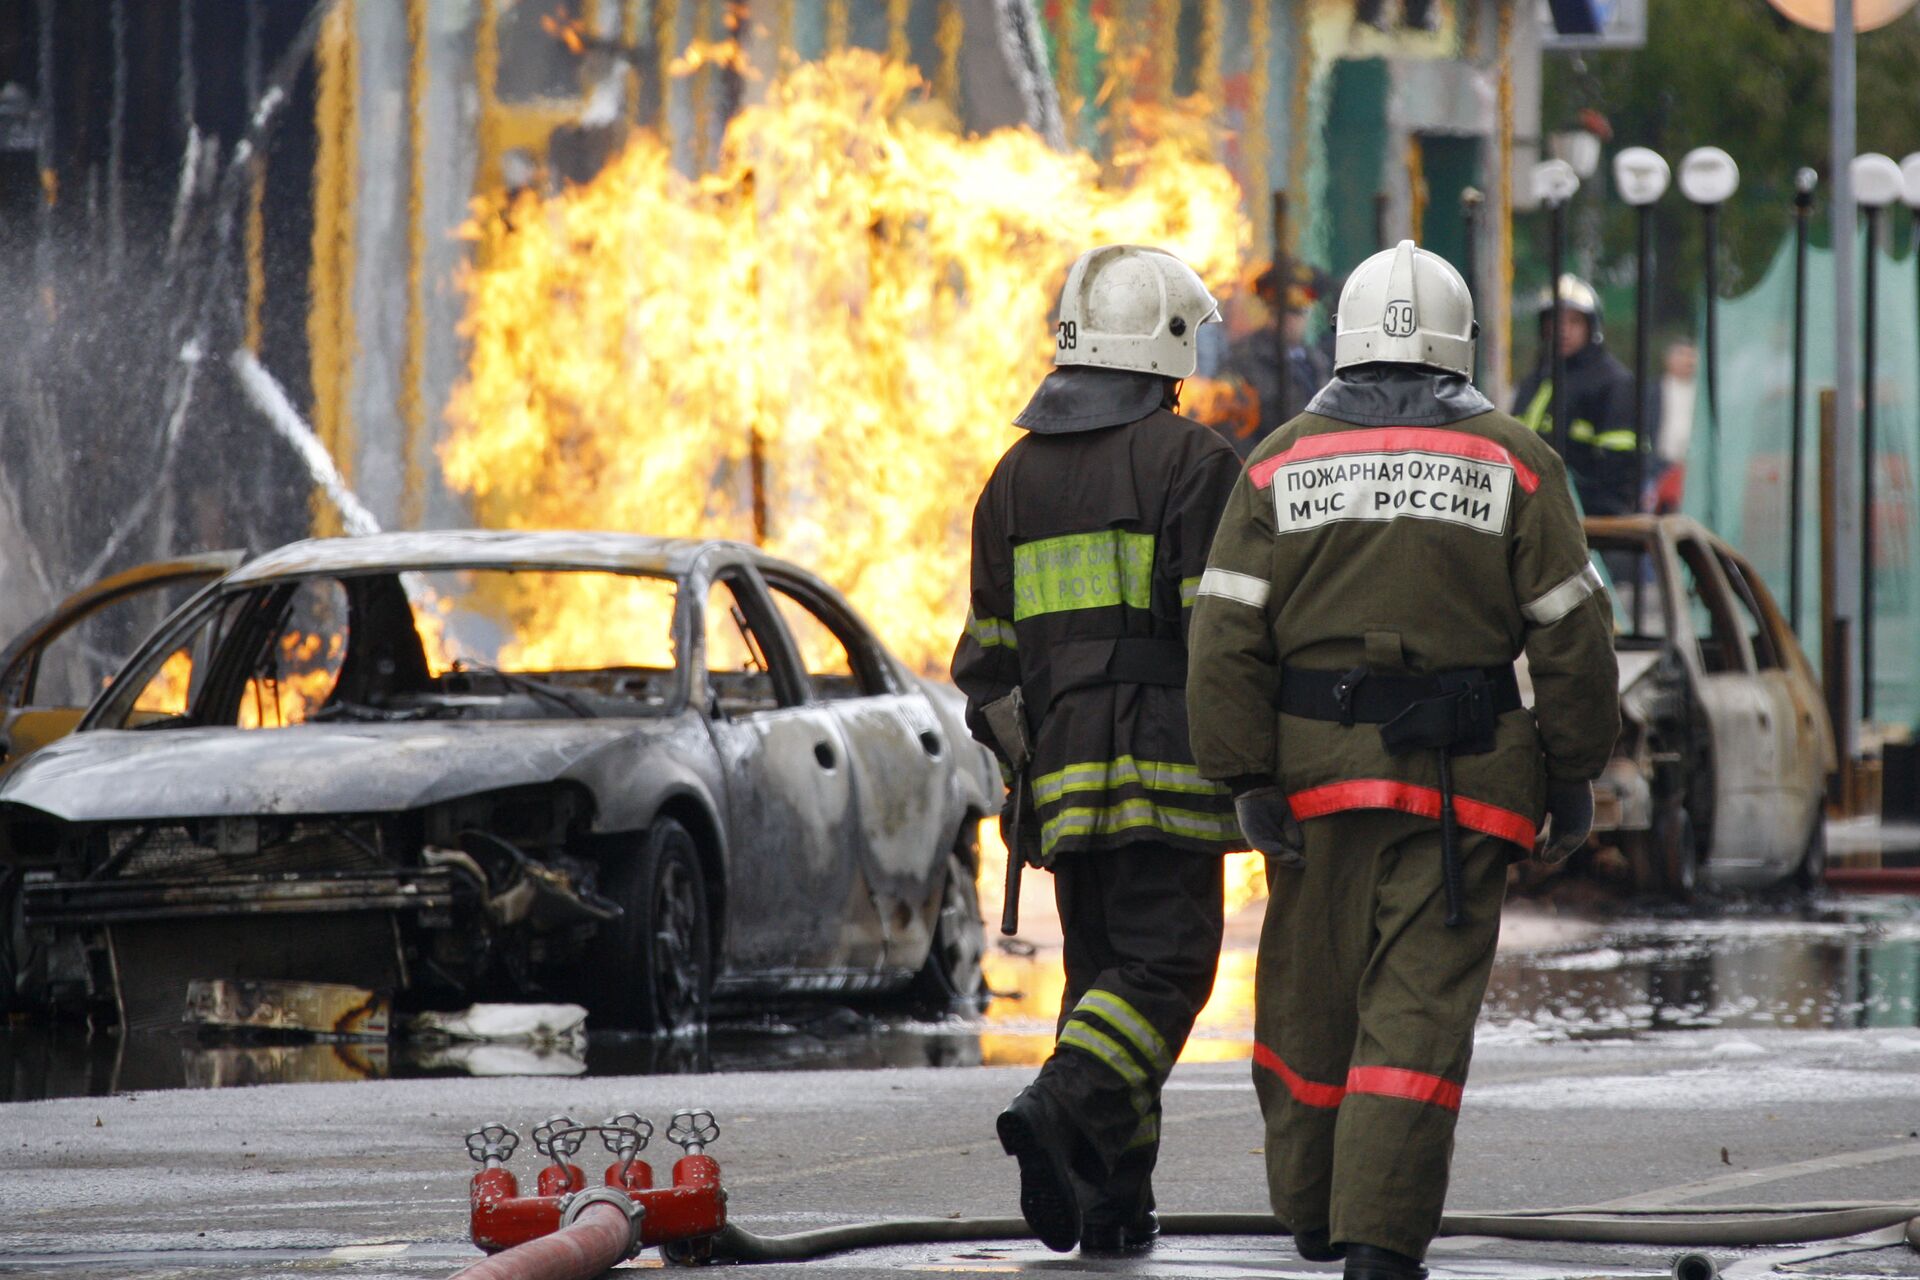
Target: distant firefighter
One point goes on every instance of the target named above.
(1598, 399)
(1276, 361)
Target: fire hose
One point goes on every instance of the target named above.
(736, 1244)
(569, 1231)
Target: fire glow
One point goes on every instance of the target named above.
(820, 345)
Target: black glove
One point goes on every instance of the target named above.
(1570, 809)
(1268, 823)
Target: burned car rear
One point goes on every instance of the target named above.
(1719, 775)
(459, 766)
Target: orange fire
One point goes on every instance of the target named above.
(308, 665)
(844, 317)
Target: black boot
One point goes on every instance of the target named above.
(1136, 1236)
(1371, 1262)
(1033, 1132)
(1313, 1245)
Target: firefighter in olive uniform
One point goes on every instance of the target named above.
(1382, 563)
(1088, 544)
(1601, 442)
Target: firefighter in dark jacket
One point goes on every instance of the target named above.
(1384, 560)
(1599, 401)
(1088, 544)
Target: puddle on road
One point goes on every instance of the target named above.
(1843, 964)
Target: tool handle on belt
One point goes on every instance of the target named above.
(1450, 846)
(1007, 719)
(1016, 862)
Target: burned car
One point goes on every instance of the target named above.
(1719, 775)
(640, 773)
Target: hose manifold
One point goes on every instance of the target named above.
(579, 1202)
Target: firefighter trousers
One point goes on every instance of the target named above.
(1364, 1011)
(1141, 926)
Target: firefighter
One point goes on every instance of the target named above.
(1599, 401)
(1385, 558)
(1088, 544)
(1276, 362)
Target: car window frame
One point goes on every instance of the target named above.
(170, 635)
(871, 670)
(1714, 580)
(1646, 545)
(1740, 581)
(791, 687)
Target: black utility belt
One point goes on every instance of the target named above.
(1083, 664)
(1447, 709)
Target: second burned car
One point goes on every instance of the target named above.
(640, 773)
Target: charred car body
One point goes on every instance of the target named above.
(1719, 776)
(638, 772)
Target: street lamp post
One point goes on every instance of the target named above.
(1554, 183)
(1877, 183)
(1804, 183)
(1471, 204)
(1641, 175)
(1708, 176)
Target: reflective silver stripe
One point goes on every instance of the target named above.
(1562, 600)
(1228, 585)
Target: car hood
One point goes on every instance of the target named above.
(108, 775)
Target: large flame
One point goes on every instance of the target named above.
(852, 306)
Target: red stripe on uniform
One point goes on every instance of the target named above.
(1460, 444)
(1398, 1082)
(1407, 797)
(1303, 1090)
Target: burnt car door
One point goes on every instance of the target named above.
(1794, 789)
(793, 873)
(1744, 749)
(901, 760)
(54, 669)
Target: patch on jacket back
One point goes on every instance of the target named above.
(1382, 474)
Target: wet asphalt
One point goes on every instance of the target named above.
(1755, 1051)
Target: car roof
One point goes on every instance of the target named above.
(490, 549)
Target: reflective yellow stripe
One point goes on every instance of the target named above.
(1105, 775)
(1582, 431)
(1615, 441)
(1132, 814)
(1132, 1024)
(1536, 414)
(1104, 1047)
(988, 632)
(1189, 591)
(1082, 571)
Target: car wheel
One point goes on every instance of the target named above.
(653, 967)
(1679, 853)
(1811, 875)
(952, 977)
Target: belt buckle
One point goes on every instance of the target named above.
(1343, 690)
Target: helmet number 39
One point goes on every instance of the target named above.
(1069, 335)
(1398, 321)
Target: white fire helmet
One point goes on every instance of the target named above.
(1578, 296)
(1406, 306)
(1126, 306)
